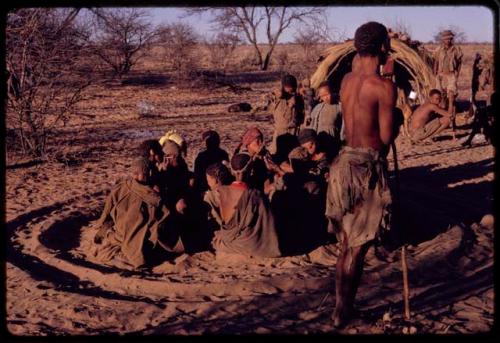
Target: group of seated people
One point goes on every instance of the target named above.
(253, 204)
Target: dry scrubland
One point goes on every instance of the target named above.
(52, 288)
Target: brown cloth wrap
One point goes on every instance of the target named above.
(358, 197)
(133, 216)
(251, 230)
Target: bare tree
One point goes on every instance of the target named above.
(221, 48)
(47, 70)
(310, 38)
(179, 41)
(121, 37)
(250, 20)
(460, 36)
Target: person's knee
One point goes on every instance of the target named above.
(445, 121)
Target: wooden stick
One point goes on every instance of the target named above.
(406, 288)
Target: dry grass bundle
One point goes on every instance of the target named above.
(411, 71)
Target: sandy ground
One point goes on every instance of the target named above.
(54, 287)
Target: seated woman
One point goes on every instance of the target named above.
(247, 224)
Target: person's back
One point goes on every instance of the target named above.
(367, 102)
(247, 223)
(358, 196)
(134, 221)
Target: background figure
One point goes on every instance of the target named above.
(309, 98)
(287, 108)
(135, 226)
(212, 154)
(447, 65)
(326, 120)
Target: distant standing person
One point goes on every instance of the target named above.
(326, 118)
(424, 122)
(447, 65)
(287, 107)
(358, 196)
(309, 98)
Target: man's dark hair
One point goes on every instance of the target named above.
(289, 80)
(240, 161)
(369, 38)
(211, 138)
(150, 144)
(141, 165)
(220, 172)
(325, 84)
(434, 91)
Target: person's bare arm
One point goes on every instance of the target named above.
(387, 102)
(440, 111)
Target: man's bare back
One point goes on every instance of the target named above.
(367, 101)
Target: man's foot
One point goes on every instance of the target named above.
(341, 318)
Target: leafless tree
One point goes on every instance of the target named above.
(221, 48)
(460, 36)
(273, 21)
(311, 38)
(47, 71)
(121, 37)
(179, 41)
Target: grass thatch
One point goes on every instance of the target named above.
(417, 72)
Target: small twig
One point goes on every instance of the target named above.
(323, 301)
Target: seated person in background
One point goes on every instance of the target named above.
(211, 155)
(135, 223)
(177, 138)
(321, 163)
(424, 123)
(173, 178)
(247, 222)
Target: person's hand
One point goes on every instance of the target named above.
(286, 167)
(181, 206)
(270, 164)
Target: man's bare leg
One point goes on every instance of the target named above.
(444, 124)
(348, 275)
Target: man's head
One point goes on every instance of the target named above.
(435, 96)
(289, 84)
(371, 39)
(176, 137)
(325, 93)
(307, 140)
(217, 174)
(447, 38)
(212, 139)
(141, 171)
(239, 166)
(171, 152)
(253, 140)
(151, 150)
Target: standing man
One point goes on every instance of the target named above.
(447, 64)
(358, 196)
(288, 110)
